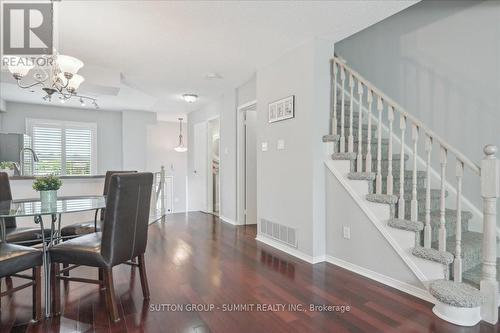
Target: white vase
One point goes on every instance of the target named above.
(48, 196)
(9, 172)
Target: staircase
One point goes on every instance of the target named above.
(374, 151)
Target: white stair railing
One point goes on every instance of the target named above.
(488, 173)
(158, 194)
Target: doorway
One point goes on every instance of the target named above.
(213, 179)
(247, 163)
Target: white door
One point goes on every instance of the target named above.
(198, 188)
(250, 167)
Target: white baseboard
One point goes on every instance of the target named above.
(388, 281)
(289, 250)
(228, 220)
(391, 282)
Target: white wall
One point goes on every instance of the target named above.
(290, 182)
(135, 133)
(162, 138)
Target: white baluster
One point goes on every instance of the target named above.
(428, 227)
(457, 263)
(334, 92)
(342, 111)
(401, 201)
(359, 162)
(378, 178)
(490, 191)
(414, 202)
(442, 202)
(162, 186)
(368, 160)
(390, 178)
(350, 139)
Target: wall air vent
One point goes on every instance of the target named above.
(279, 232)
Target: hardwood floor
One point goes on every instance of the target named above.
(196, 259)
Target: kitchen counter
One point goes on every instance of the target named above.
(61, 177)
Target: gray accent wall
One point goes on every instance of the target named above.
(441, 61)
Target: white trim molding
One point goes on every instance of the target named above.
(420, 293)
(386, 280)
(228, 220)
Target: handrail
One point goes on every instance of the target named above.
(473, 166)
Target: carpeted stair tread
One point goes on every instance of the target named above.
(444, 258)
(455, 293)
(450, 217)
(406, 225)
(471, 248)
(344, 156)
(331, 138)
(473, 275)
(370, 176)
(382, 198)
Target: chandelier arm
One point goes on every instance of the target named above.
(29, 85)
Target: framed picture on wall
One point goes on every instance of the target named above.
(282, 109)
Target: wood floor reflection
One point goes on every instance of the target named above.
(197, 259)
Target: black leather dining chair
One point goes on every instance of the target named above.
(18, 235)
(17, 258)
(84, 228)
(123, 238)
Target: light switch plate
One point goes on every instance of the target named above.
(347, 232)
(264, 146)
(281, 144)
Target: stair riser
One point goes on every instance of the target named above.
(450, 229)
(435, 203)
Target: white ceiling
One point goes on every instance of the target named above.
(144, 55)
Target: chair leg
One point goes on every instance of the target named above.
(56, 289)
(37, 293)
(8, 283)
(102, 278)
(144, 277)
(110, 295)
(66, 273)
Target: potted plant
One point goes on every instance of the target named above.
(47, 186)
(8, 167)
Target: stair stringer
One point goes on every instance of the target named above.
(402, 241)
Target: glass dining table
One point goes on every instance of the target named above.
(54, 211)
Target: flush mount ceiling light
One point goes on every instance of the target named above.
(190, 98)
(180, 148)
(58, 76)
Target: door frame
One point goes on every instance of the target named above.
(209, 184)
(240, 168)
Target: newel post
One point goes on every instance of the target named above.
(490, 191)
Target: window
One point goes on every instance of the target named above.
(63, 147)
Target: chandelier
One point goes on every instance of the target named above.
(57, 78)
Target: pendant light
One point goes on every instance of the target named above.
(180, 148)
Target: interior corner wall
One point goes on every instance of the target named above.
(247, 92)
(288, 188)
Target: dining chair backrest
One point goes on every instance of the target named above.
(5, 195)
(107, 179)
(125, 227)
